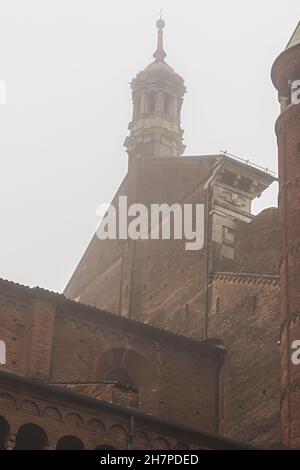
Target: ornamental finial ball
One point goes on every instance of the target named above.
(160, 23)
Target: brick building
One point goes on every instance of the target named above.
(76, 376)
(153, 346)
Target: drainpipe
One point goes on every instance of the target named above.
(217, 399)
(208, 187)
(136, 198)
(131, 433)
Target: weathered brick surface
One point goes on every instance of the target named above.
(258, 244)
(15, 310)
(245, 314)
(59, 414)
(153, 281)
(41, 337)
(286, 69)
(161, 283)
(69, 344)
(91, 348)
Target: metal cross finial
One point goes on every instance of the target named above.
(160, 13)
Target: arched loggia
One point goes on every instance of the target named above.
(31, 437)
(70, 443)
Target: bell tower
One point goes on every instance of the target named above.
(157, 95)
(286, 78)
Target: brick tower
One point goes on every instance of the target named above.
(286, 76)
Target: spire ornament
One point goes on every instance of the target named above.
(160, 55)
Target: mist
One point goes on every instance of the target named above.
(67, 66)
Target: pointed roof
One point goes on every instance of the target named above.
(295, 39)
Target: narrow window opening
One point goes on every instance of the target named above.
(167, 104)
(152, 102)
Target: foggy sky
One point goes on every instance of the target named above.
(68, 64)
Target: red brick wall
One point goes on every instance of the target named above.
(245, 314)
(54, 340)
(59, 416)
(153, 281)
(27, 327)
(262, 238)
(161, 372)
(287, 67)
(41, 336)
(14, 330)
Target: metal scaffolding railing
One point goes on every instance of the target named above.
(248, 162)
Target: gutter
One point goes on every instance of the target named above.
(208, 187)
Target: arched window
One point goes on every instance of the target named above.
(137, 108)
(4, 431)
(31, 437)
(69, 443)
(122, 373)
(152, 102)
(167, 104)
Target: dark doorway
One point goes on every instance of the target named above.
(31, 437)
(70, 443)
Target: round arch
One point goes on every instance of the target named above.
(136, 368)
(31, 437)
(130, 363)
(70, 443)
